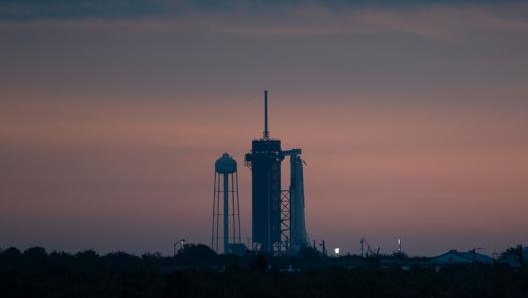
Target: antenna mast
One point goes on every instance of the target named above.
(266, 131)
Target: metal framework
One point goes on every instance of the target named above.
(282, 247)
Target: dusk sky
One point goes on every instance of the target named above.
(412, 117)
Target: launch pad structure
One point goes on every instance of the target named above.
(278, 223)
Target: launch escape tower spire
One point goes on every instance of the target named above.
(278, 224)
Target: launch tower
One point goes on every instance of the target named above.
(278, 215)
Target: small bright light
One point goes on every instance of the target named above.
(336, 250)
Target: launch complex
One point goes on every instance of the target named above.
(278, 223)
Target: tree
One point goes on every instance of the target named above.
(11, 253)
(88, 254)
(35, 252)
(196, 254)
(514, 255)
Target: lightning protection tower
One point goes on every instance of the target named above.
(226, 190)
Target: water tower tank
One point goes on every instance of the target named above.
(225, 164)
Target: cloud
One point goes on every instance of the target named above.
(60, 9)
(442, 21)
(259, 18)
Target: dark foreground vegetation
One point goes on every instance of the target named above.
(198, 272)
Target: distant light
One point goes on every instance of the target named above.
(336, 250)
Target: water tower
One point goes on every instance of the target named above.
(226, 191)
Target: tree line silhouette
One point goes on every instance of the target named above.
(197, 271)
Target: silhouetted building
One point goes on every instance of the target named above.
(454, 257)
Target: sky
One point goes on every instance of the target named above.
(412, 117)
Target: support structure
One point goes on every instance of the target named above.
(226, 192)
(265, 163)
(278, 215)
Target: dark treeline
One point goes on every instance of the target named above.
(197, 271)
